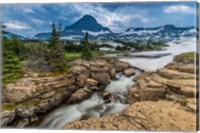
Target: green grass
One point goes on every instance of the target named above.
(72, 56)
(185, 56)
(183, 103)
(75, 55)
(11, 106)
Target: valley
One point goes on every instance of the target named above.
(85, 76)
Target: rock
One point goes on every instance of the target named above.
(29, 88)
(146, 94)
(102, 78)
(120, 66)
(140, 116)
(129, 72)
(23, 123)
(91, 82)
(94, 88)
(106, 95)
(24, 112)
(7, 117)
(112, 73)
(49, 92)
(143, 75)
(35, 75)
(78, 70)
(79, 95)
(187, 69)
(172, 74)
(25, 75)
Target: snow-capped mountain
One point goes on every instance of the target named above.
(100, 33)
(76, 31)
(164, 33)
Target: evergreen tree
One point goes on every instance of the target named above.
(11, 68)
(54, 39)
(58, 61)
(86, 52)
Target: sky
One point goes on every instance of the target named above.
(29, 19)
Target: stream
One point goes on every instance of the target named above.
(94, 106)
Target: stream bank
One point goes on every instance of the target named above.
(163, 100)
(29, 97)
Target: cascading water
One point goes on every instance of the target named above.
(95, 106)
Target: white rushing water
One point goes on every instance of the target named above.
(152, 64)
(92, 107)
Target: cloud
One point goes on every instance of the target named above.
(15, 25)
(179, 9)
(28, 10)
(117, 20)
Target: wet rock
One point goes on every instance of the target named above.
(7, 117)
(24, 112)
(94, 88)
(23, 123)
(129, 72)
(106, 95)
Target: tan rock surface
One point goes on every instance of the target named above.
(147, 115)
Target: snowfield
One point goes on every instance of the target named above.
(152, 64)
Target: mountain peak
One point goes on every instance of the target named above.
(88, 23)
(88, 18)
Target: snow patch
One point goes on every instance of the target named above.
(96, 33)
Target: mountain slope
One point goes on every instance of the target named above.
(77, 30)
(98, 32)
(164, 33)
(10, 35)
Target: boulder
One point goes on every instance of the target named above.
(129, 72)
(102, 78)
(91, 82)
(79, 95)
(106, 95)
(146, 94)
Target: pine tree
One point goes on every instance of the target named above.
(54, 39)
(58, 61)
(11, 68)
(86, 52)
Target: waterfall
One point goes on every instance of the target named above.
(93, 106)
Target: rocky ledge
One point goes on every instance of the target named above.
(165, 100)
(25, 100)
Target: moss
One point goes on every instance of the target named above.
(186, 56)
(183, 103)
(11, 106)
